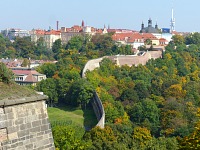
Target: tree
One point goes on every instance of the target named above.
(142, 136)
(75, 42)
(2, 45)
(193, 38)
(146, 111)
(57, 46)
(6, 75)
(80, 93)
(103, 43)
(101, 138)
(178, 39)
(65, 138)
(192, 142)
(49, 88)
(26, 63)
(48, 69)
(24, 47)
(148, 42)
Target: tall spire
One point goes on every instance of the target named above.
(172, 23)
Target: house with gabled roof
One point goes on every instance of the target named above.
(27, 76)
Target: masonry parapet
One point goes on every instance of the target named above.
(24, 124)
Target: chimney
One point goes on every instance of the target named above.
(57, 25)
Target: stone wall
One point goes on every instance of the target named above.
(99, 110)
(24, 124)
(120, 61)
(96, 102)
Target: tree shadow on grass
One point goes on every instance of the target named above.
(90, 119)
(89, 116)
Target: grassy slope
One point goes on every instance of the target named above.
(78, 117)
(10, 91)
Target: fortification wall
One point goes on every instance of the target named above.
(24, 124)
(120, 60)
(96, 102)
(91, 65)
(99, 110)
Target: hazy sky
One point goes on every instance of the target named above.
(127, 14)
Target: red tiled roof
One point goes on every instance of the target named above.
(26, 72)
(121, 36)
(30, 78)
(42, 32)
(148, 36)
(162, 40)
(52, 32)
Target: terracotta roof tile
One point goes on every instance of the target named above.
(30, 78)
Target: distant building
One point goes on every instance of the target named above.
(49, 36)
(135, 39)
(12, 33)
(76, 30)
(149, 28)
(27, 76)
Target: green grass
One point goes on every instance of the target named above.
(76, 116)
(13, 91)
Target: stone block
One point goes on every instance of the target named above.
(2, 117)
(36, 123)
(1, 110)
(10, 115)
(20, 143)
(35, 130)
(12, 136)
(45, 121)
(29, 146)
(23, 133)
(28, 125)
(33, 111)
(3, 135)
(48, 146)
(33, 140)
(22, 126)
(9, 123)
(20, 147)
(12, 129)
(2, 124)
(40, 133)
(45, 127)
(19, 121)
(8, 110)
(14, 145)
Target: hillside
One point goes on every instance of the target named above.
(10, 91)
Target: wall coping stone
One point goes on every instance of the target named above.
(8, 102)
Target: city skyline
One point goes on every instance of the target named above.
(124, 14)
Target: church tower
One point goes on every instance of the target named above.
(142, 26)
(149, 22)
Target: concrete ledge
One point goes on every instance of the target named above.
(7, 102)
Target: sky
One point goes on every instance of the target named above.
(121, 14)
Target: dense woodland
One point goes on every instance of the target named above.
(156, 106)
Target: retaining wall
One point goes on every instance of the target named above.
(24, 124)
